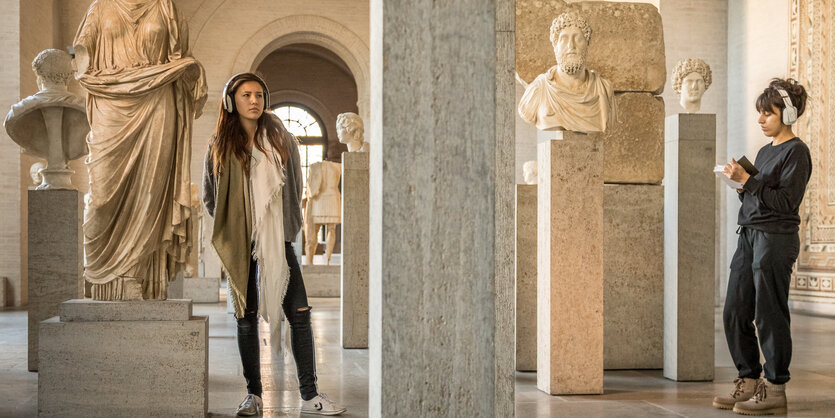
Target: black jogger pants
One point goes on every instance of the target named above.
(758, 293)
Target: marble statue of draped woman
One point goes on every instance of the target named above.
(144, 91)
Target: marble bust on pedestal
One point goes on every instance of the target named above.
(350, 130)
(691, 78)
(52, 123)
(569, 96)
(530, 172)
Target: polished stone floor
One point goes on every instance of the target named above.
(343, 375)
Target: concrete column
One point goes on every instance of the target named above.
(689, 257)
(55, 257)
(10, 238)
(570, 265)
(354, 279)
(526, 277)
(441, 191)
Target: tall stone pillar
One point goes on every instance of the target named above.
(569, 305)
(354, 279)
(441, 191)
(689, 257)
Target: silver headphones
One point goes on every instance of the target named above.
(790, 112)
(229, 101)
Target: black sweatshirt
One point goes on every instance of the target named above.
(771, 199)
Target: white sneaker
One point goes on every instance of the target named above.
(251, 405)
(321, 405)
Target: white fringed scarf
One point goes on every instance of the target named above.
(266, 181)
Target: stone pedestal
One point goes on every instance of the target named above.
(201, 289)
(55, 257)
(3, 288)
(570, 265)
(633, 283)
(689, 237)
(354, 280)
(144, 358)
(526, 277)
(321, 280)
(175, 287)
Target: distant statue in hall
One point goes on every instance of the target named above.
(322, 206)
(350, 131)
(569, 96)
(144, 91)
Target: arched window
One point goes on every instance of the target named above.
(307, 126)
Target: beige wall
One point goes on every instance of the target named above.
(699, 29)
(9, 151)
(758, 49)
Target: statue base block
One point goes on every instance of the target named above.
(201, 289)
(124, 359)
(321, 280)
(354, 278)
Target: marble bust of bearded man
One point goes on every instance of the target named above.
(569, 96)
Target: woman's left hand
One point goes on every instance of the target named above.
(735, 172)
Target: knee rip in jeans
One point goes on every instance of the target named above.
(301, 317)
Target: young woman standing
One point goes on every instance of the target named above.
(252, 188)
(758, 287)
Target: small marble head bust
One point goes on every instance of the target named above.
(530, 172)
(35, 172)
(53, 68)
(691, 78)
(570, 37)
(350, 130)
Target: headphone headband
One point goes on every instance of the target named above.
(229, 101)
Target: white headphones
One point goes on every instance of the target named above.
(229, 101)
(790, 112)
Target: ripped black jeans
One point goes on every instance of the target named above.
(301, 334)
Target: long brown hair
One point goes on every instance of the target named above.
(230, 136)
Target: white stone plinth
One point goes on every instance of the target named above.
(689, 239)
(55, 257)
(526, 277)
(201, 289)
(175, 287)
(633, 284)
(354, 280)
(570, 265)
(320, 280)
(121, 359)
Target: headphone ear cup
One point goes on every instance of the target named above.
(228, 104)
(789, 115)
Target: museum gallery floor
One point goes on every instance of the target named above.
(344, 375)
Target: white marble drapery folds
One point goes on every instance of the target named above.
(550, 106)
(144, 92)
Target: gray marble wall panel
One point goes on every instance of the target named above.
(117, 367)
(354, 279)
(55, 257)
(570, 265)
(441, 191)
(689, 257)
(526, 277)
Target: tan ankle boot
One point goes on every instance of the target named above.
(768, 399)
(743, 390)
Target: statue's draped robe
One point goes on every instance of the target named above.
(550, 106)
(144, 91)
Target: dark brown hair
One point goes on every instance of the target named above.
(230, 136)
(771, 98)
